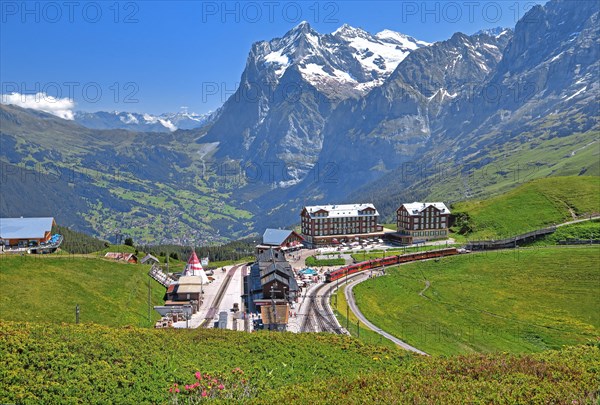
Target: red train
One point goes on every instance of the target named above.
(387, 261)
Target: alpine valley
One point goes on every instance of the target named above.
(323, 118)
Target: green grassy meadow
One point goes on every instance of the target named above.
(47, 288)
(580, 231)
(533, 205)
(350, 322)
(524, 300)
(68, 364)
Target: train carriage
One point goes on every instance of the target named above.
(387, 261)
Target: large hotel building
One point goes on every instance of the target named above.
(420, 221)
(324, 224)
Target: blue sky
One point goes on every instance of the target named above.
(152, 56)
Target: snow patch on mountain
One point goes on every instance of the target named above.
(129, 119)
(401, 39)
(349, 56)
(142, 122)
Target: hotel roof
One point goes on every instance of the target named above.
(341, 210)
(417, 207)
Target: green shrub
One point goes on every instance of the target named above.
(314, 262)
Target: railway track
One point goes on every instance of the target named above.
(318, 317)
(214, 308)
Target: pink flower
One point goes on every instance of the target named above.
(177, 390)
(204, 393)
(221, 387)
(171, 389)
(198, 375)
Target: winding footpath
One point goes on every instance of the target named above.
(352, 303)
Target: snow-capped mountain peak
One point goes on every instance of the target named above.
(494, 32)
(347, 31)
(143, 122)
(349, 57)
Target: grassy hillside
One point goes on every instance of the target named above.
(47, 288)
(530, 157)
(568, 376)
(496, 169)
(132, 365)
(46, 363)
(537, 204)
(582, 231)
(523, 300)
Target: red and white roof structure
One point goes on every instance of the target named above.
(194, 268)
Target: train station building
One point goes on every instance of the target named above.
(271, 280)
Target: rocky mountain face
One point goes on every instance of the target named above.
(367, 137)
(548, 72)
(167, 122)
(534, 114)
(290, 86)
(470, 102)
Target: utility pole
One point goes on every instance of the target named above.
(77, 313)
(149, 302)
(347, 316)
(358, 328)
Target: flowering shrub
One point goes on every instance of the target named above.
(235, 386)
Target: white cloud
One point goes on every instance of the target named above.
(61, 107)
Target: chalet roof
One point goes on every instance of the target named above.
(190, 280)
(149, 257)
(340, 211)
(188, 288)
(276, 237)
(270, 255)
(417, 207)
(290, 282)
(278, 267)
(120, 256)
(25, 228)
